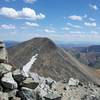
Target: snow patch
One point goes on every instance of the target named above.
(27, 67)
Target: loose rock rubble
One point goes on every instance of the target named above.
(14, 85)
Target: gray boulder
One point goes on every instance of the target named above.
(29, 83)
(52, 96)
(73, 82)
(17, 98)
(18, 76)
(90, 97)
(12, 94)
(1, 88)
(42, 89)
(4, 68)
(8, 82)
(26, 94)
(3, 96)
(35, 77)
(49, 81)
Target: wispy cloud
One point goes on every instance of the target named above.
(92, 19)
(49, 30)
(75, 17)
(29, 1)
(86, 17)
(7, 26)
(74, 26)
(76, 32)
(92, 24)
(26, 1)
(94, 7)
(94, 32)
(65, 28)
(30, 24)
(25, 13)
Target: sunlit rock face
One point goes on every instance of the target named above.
(3, 53)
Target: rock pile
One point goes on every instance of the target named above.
(15, 85)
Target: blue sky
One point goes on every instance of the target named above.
(66, 21)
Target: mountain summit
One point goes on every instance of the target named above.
(50, 60)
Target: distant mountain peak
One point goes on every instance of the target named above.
(51, 61)
(44, 41)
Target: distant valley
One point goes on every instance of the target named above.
(89, 55)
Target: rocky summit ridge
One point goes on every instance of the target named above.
(51, 61)
(21, 84)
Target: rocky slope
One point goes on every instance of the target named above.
(51, 61)
(21, 84)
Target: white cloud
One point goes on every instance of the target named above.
(66, 28)
(93, 24)
(94, 7)
(7, 26)
(75, 17)
(26, 1)
(25, 13)
(29, 1)
(89, 18)
(49, 30)
(92, 19)
(9, 12)
(72, 25)
(94, 32)
(76, 32)
(31, 24)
